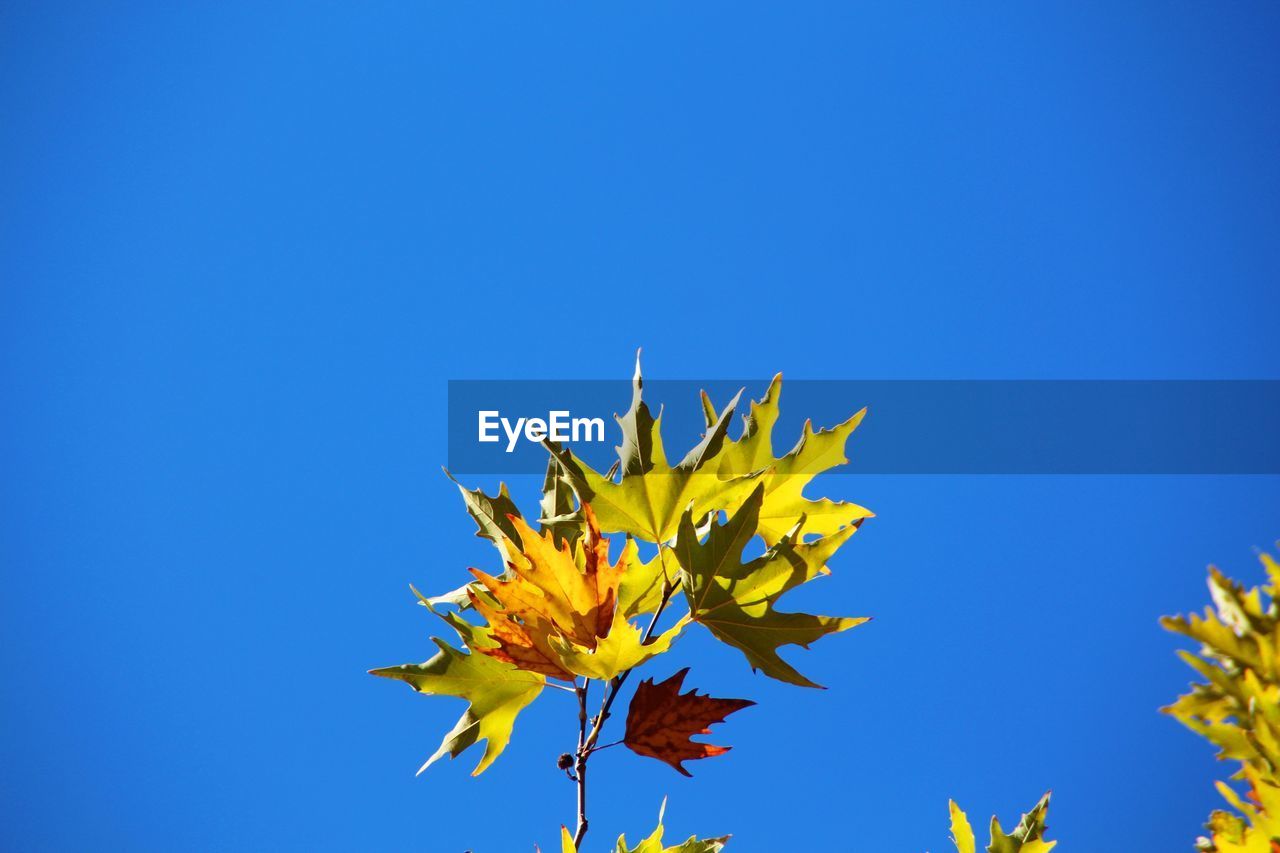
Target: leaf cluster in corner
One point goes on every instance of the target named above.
(1237, 706)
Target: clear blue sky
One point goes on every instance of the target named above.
(243, 248)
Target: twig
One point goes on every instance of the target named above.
(580, 764)
(605, 746)
(587, 741)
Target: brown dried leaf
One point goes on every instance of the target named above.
(661, 721)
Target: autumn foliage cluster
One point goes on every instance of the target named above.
(589, 586)
(614, 567)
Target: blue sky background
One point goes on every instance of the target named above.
(242, 248)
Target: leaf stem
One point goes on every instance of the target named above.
(587, 740)
(605, 746)
(560, 687)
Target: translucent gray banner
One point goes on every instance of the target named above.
(911, 427)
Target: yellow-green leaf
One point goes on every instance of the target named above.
(785, 478)
(650, 495)
(1027, 836)
(618, 652)
(653, 844)
(497, 691)
(492, 515)
(735, 600)
(643, 583)
(961, 831)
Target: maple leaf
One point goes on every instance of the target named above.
(735, 600)
(562, 611)
(570, 588)
(649, 496)
(526, 644)
(497, 692)
(785, 478)
(1027, 836)
(492, 515)
(661, 721)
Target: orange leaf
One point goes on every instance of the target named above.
(517, 644)
(661, 721)
(570, 591)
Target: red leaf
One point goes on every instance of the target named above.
(661, 721)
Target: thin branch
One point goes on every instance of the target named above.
(587, 740)
(580, 764)
(615, 683)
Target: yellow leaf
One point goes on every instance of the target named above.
(785, 478)
(620, 651)
(547, 584)
(497, 692)
(961, 831)
(641, 588)
(651, 494)
(1027, 836)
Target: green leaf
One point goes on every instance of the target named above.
(785, 478)
(1027, 836)
(493, 518)
(653, 844)
(491, 514)
(493, 522)
(557, 505)
(650, 495)
(496, 690)
(735, 600)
